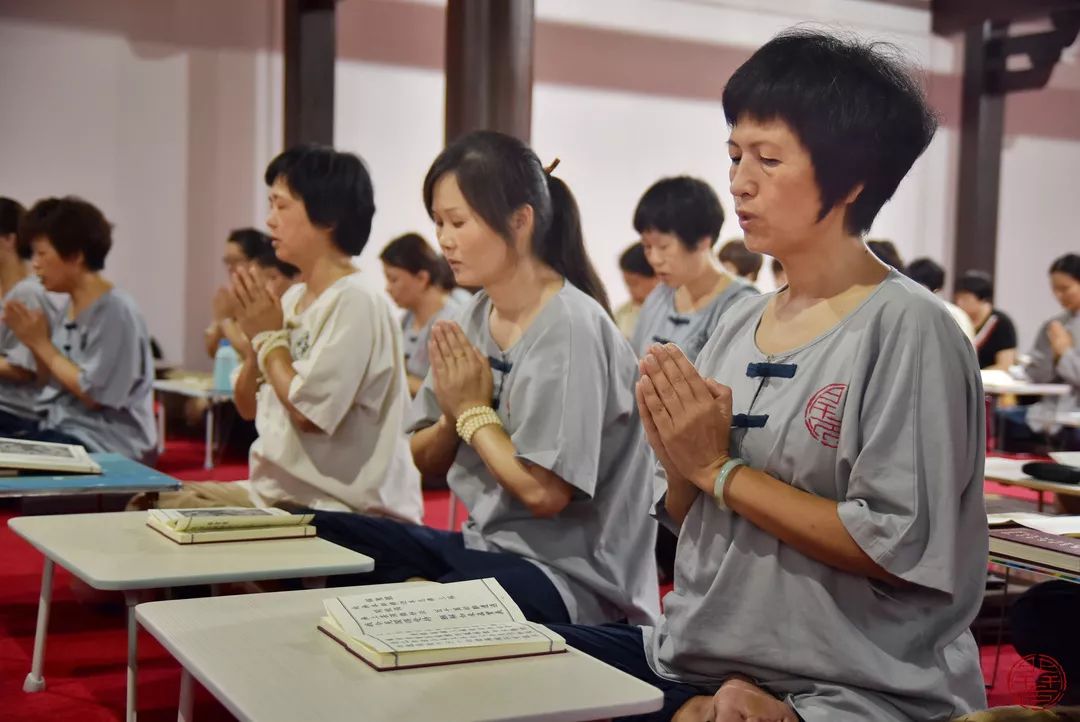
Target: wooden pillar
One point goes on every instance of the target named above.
(982, 129)
(489, 66)
(310, 51)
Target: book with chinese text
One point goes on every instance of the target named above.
(200, 526)
(18, 456)
(422, 625)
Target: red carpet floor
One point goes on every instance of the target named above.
(85, 658)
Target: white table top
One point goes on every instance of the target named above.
(263, 658)
(118, 551)
(192, 389)
(1009, 472)
(1025, 388)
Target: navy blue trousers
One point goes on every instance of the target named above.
(402, 551)
(621, 646)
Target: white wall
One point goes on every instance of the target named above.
(167, 119)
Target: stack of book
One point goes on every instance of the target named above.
(226, 524)
(1042, 543)
(421, 625)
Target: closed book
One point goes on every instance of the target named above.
(208, 536)
(18, 456)
(422, 625)
(1040, 547)
(229, 517)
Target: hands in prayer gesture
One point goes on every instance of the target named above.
(687, 418)
(1060, 339)
(29, 325)
(256, 309)
(462, 374)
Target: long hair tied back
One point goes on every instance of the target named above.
(497, 174)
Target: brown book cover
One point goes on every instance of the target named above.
(1033, 545)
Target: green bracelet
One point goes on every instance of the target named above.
(721, 480)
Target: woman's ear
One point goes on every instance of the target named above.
(522, 223)
(425, 277)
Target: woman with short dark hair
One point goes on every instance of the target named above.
(97, 361)
(823, 462)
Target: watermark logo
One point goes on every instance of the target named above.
(1037, 681)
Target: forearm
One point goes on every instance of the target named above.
(63, 369)
(679, 498)
(809, 524)
(541, 491)
(1068, 367)
(1005, 359)
(279, 373)
(212, 338)
(15, 374)
(237, 338)
(434, 448)
(246, 389)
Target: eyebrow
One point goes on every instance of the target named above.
(754, 144)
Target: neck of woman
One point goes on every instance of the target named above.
(523, 291)
(325, 271)
(12, 270)
(430, 303)
(703, 288)
(830, 266)
(89, 288)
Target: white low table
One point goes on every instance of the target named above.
(117, 551)
(263, 658)
(193, 390)
(1010, 472)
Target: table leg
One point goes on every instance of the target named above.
(186, 710)
(132, 598)
(208, 461)
(1040, 500)
(451, 524)
(1001, 630)
(34, 681)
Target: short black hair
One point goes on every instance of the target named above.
(335, 188)
(926, 272)
(267, 258)
(72, 226)
(747, 263)
(684, 206)
(852, 104)
(978, 284)
(886, 252)
(1068, 264)
(253, 242)
(633, 260)
(11, 212)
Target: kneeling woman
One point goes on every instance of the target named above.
(823, 462)
(528, 410)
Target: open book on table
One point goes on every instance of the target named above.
(21, 456)
(195, 526)
(430, 624)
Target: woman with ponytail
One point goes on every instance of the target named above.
(528, 409)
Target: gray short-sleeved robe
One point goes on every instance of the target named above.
(564, 393)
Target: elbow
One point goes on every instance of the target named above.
(547, 503)
(304, 424)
